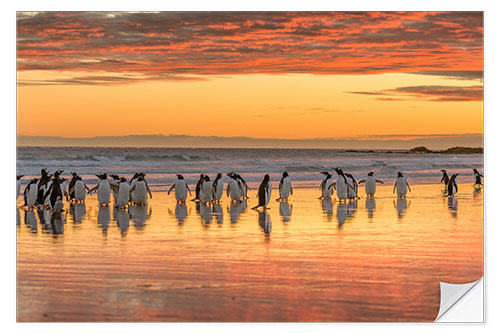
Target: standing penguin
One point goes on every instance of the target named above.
(18, 185)
(79, 189)
(477, 178)
(341, 184)
(71, 186)
(122, 194)
(234, 188)
(264, 193)
(30, 193)
(453, 185)
(58, 206)
(181, 189)
(103, 190)
(352, 188)
(198, 188)
(206, 190)
(217, 188)
(401, 185)
(445, 178)
(141, 190)
(244, 186)
(370, 184)
(54, 192)
(325, 186)
(42, 185)
(285, 187)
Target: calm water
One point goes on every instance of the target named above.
(306, 260)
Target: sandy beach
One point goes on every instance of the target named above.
(305, 260)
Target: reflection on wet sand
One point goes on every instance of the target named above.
(30, 220)
(401, 206)
(235, 209)
(327, 206)
(206, 214)
(181, 212)
(370, 206)
(103, 218)
(57, 221)
(122, 220)
(217, 211)
(453, 206)
(352, 208)
(265, 221)
(285, 211)
(341, 213)
(139, 215)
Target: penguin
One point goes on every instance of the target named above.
(71, 186)
(341, 184)
(103, 190)
(234, 188)
(244, 186)
(264, 193)
(141, 190)
(477, 178)
(445, 178)
(113, 182)
(18, 185)
(42, 185)
(122, 195)
(217, 188)
(132, 183)
(453, 185)
(206, 190)
(181, 189)
(30, 193)
(54, 192)
(79, 189)
(325, 186)
(198, 188)
(370, 184)
(401, 185)
(352, 188)
(285, 187)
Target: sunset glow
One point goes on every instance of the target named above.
(290, 75)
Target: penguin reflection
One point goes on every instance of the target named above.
(103, 218)
(44, 218)
(477, 192)
(285, 211)
(370, 206)
(235, 209)
(18, 217)
(181, 212)
(453, 205)
(217, 211)
(352, 208)
(401, 205)
(30, 220)
(206, 214)
(139, 215)
(327, 206)
(57, 222)
(122, 220)
(77, 211)
(341, 213)
(265, 221)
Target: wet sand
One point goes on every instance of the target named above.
(305, 260)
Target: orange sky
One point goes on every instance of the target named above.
(274, 75)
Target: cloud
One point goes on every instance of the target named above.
(165, 44)
(429, 93)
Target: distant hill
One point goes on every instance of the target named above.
(452, 150)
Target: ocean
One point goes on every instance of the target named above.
(303, 165)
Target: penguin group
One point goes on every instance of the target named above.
(48, 190)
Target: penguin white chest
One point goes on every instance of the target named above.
(218, 190)
(341, 188)
(141, 195)
(401, 188)
(122, 196)
(286, 187)
(370, 185)
(206, 191)
(31, 195)
(234, 190)
(103, 192)
(327, 190)
(79, 190)
(268, 193)
(180, 190)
